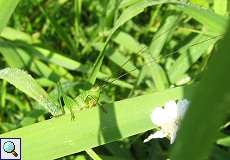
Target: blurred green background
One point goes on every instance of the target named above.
(162, 45)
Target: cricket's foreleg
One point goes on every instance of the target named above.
(71, 112)
(70, 104)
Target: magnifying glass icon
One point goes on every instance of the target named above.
(9, 147)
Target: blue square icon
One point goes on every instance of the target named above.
(10, 148)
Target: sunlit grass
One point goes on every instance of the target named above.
(140, 53)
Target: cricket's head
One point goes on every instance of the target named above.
(92, 96)
(95, 92)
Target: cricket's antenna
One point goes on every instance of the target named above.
(123, 64)
(141, 51)
(157, 58)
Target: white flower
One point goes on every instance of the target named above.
(168, 119)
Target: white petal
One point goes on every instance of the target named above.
(171, 110)
(157, 134)
(173, 136)
(158, 116)
(182, 107)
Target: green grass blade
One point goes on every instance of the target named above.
(52, 57)
(61, 33)
(19, 55)
(190, 54)
(118, 58)
(13, 34)
(126, 15)
(91, 127)
(110, 12)
(209, 108)
(3, 94)
(158, 75)
(127, 3)
(92, 154)
(224, 141)
(7, 8)
(127, 41)
(24, 58)
(220, 6)
(10, 54)
(163, 34)
(160, 38)
(77, 19)
(24, 82)
(209, 19)
(134, 10)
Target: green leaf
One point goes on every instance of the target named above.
(92, 154)
(7, 8)
(127, 41)
(158, 75)
(208, 110)
(67, 39)
(24, 82)
(24, 57)
(224, 141)
(220, 6)
(190, 54)
(92, 127)
(10, 54)
(13, 34)
(163, 34)
(208, 18)
(126, 15)
(158, 41)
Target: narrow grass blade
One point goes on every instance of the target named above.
(10, 54)
(209, 19)
(160, 38)
(127, 3)
(24, 58)
(110, 12)
(163, 34)
(52, 57)
(189, 56)
(127, 41)
(118, 58)
(7, 8)
(224, 141)
(61, 33)
(19, 55)
(92, 154)
(3, 94)
(126, 15)
(158, 75)
(24, 82)
(13, 34)
(77, 19)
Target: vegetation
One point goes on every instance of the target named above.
(80, 79)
